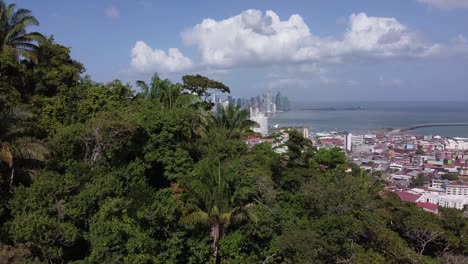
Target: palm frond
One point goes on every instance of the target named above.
(10, 9)
(244, 213)
(225, 218)
(198, 217)
(25, 19)
(27, 148)
(201, 193)
(13, 34)
(143, 86)
(28, 54)
(35, 36)
(25, 46)
(21, 12)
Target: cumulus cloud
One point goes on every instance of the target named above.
(253, 37)
(248, 38)
(380, 37)
(148, 60)
(257, 38)
(112, 12)
(446, 4)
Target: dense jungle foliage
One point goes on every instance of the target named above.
(99, 173)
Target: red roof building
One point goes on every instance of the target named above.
(407, 197)
(428, 207)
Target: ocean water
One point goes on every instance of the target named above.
(376, 116)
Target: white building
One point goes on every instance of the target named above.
(261, 120)
(357, 139)
(453, 201)
(457, 188)
(436, 183)
(429, 198)
(348, 141)
(456, 143)
(361, 148)
(305, 132)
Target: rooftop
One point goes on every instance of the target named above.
(459, 184)
(429, 206)
(407, 197)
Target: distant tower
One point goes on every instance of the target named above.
(347, 141)
(306, 133)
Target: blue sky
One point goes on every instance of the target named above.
(311, 50)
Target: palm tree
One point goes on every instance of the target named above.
(217, 199)
(13, 35)
(235, 120)
(162, 91)
(17, 147)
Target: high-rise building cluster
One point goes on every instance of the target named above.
(265, 103)
(282, 102)
(259, 107)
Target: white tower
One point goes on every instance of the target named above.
(306, 132)
(347, 141)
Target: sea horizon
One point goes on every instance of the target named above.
(344, 116)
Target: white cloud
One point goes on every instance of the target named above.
(381, 37)
(148, 60)
(248, 38)
(257, 38)
(446, 4)
(311, 71)
(112, 12)
(253, 37)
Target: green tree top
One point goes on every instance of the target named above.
(200, 85)
(13, 34)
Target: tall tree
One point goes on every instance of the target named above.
(55, 70)
(13, 31)
(218, 198)
(201, 86)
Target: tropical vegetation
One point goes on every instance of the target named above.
(154, 173)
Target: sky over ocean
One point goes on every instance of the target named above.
(317, 50)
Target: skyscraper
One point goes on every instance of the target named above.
(282, 102)
(279, 104)
(348, 141)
